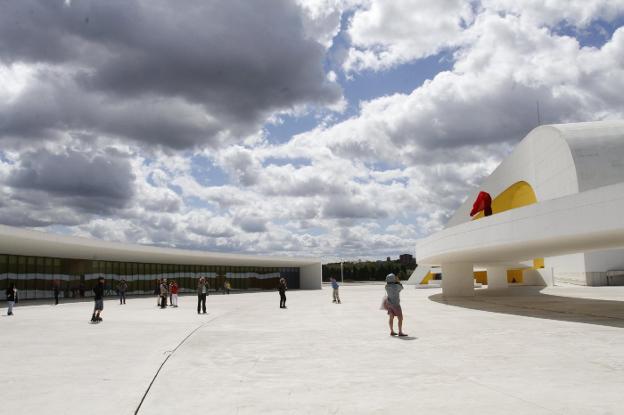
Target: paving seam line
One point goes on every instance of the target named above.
(167, 358)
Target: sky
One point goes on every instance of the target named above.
(345, 129)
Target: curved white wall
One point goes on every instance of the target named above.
(557, 161)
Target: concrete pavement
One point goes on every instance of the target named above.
(530, 353)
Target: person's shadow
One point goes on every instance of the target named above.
(406, 338)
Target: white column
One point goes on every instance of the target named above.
(497, 278)
(311, 276)
(457, 279)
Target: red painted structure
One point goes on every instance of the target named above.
(483, 203)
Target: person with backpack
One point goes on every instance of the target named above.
(11, 296)
(121, 290)
(335, 286)
(98, 297)
(282, 292)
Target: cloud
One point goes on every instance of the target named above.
(52, 106)
(363, 185)
(576, 13)
(386, 34)
(241, 165)
(389, 33)
(445, 136)
(486, 102)
(93, 183)
(252, 224)
(205, 73)
(209, 226)
(351, 208)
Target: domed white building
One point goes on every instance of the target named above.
(557, 215)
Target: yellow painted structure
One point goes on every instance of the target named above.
(481, 276)
(538, 263)
(427, 278)
(517, 195)
(514, 276)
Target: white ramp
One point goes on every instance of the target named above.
(418, 275)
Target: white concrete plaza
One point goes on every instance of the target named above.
(535, 353)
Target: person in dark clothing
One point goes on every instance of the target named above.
(98, 292)
(282, 292)
(170, 294)
(157, 292)
(164, 293)
(56, 292)
(202, 292)
(11, 296)
(122, 287)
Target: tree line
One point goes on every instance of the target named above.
(367, 270)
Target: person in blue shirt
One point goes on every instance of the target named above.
(335, 294)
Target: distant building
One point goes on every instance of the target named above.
(407, 260)
(388, 259)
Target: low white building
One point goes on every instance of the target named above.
(558, 214)
(37, 262)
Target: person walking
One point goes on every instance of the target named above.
(164, 293)
(157, 292)
(202, 292)
(392, 303)
(335, 294)
(226, 287)
(282, 292)
(11, 295)
(98, 296)
(173, 288)
(170, 294)
(122, 287)
(57, 290)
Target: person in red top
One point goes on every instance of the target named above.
(174, 294)
(483, 203)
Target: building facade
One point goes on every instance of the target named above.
(38, 262)
(556, 214)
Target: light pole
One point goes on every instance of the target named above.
(341, 274)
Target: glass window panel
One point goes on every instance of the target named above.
(42, 286)
(4, 269)
(140, 283)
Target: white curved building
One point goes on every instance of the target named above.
(37, 262)
(558, 204)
